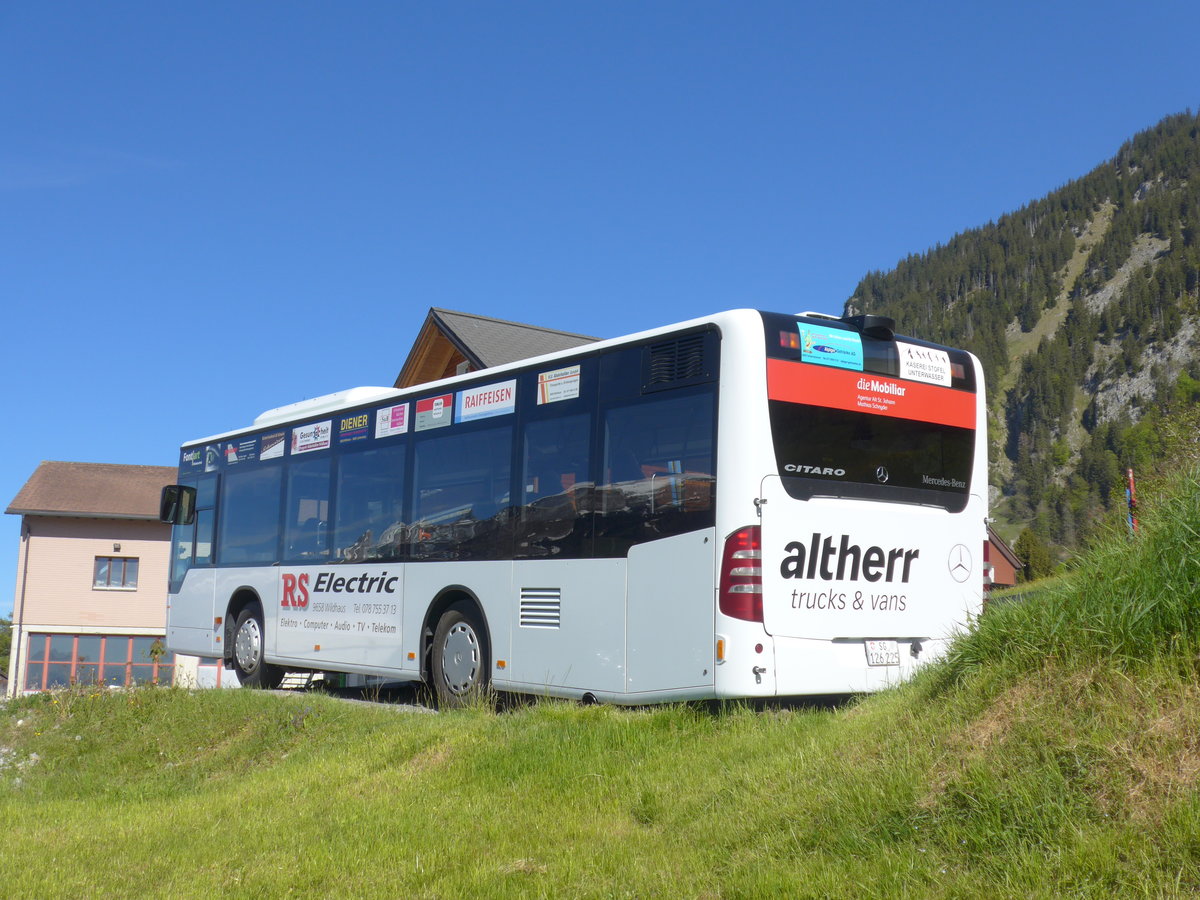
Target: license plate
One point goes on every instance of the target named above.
(883, 653)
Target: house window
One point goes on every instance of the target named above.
(115, 573)
(58, 660)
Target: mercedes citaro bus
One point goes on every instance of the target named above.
(746, 505)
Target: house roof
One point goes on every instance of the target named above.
(1005, 550)
(92, 490)
(482, 341)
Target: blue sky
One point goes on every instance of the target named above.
(210, 209)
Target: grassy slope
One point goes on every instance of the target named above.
(1056, 753)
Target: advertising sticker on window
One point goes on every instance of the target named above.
(434, 412)
(272, 446)
(561, 384)
(353, 427)
(316, 436)
(830, 347)
(794, 383)
(191, 459)
(244, 450)
(486, 401)
(391, 420)
(924, 364)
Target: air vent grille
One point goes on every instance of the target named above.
(678, 360)
(541, 607)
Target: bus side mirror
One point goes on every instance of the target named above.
(177, 505)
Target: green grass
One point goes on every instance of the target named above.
(1055, 753)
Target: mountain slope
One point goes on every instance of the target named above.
(1084, 308)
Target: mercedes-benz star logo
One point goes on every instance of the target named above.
(881, 475)
(959, 563)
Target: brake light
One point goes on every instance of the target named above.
(741, 575)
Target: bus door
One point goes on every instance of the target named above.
(192, 625)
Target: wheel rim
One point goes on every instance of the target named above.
(460, 658)
(247, 647)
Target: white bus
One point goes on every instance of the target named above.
(745, 505)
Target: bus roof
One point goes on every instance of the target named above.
(358, 396)
(326, 403)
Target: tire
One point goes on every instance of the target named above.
(248, 648)
(459, 666)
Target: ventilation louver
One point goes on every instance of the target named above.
(541, 608)
(677, 362)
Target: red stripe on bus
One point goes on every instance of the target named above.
(879, 395)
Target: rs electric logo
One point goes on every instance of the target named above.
(296, 588)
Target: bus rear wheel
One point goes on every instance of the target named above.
(248, 649)
(459, 668)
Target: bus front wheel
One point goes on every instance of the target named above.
(248, 649)
(460, 660)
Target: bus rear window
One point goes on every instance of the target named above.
(821, 451)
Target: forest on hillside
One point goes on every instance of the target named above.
(1084, 308)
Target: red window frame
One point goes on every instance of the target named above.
(116, 665)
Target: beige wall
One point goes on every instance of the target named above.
(56, 567)
(55, 572)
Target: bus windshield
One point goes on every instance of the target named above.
(832, 452)
(853, 427)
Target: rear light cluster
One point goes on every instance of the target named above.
(741, 575)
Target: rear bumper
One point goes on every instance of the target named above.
(840, 666)
(806, 667)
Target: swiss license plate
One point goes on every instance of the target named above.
(883, 653)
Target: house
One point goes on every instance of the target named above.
(91, 587)
(453, 343)
(1000, 564)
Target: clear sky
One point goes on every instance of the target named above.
(208, 209)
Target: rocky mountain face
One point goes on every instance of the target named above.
(1084, 308)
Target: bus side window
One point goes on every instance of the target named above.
(192, 544)
(369, 519)
(204, 535)
(306, 534)
(554, 515)
(182, 538)
(461, 496)
(659, 470)
(249, 530)
(206, 499)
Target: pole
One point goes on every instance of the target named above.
(1131, 499)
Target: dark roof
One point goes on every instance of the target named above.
(92, 490)
(494, 342)
(448, 338)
